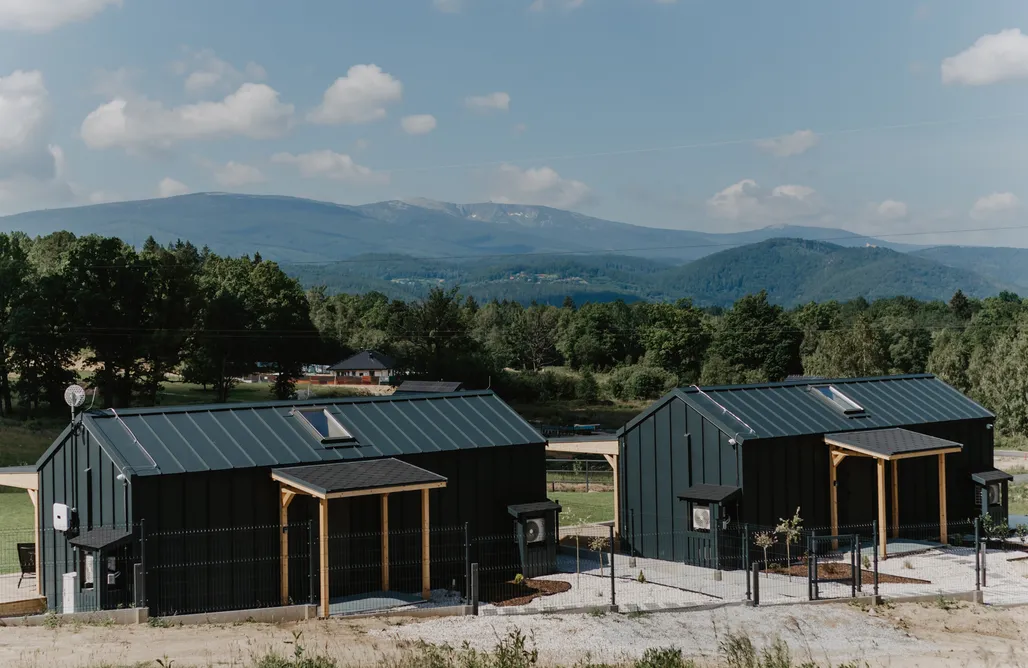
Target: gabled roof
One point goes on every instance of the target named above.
(365, 360)
(793, 408)
(181, 439)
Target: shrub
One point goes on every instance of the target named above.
(640, 382)
(587, 388)
(663, 657)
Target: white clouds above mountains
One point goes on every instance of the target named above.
(995, 206)
(169, 187)
(204, 71)
(360, 97)
(993, 58)
(748, 202)
(331, 165)
(785, 146)
(237, 174)
(253, 111)
(498, 101)
(46, 15)
(419, 124)
(539, 185)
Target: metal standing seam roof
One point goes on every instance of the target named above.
(992, 475)
(366, 360)
(358, 476)
(711, 493)
(98, 539)
(791, 408)
(183, 439)
(888, 443)
(423, 386)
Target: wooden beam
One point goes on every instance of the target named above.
(598, 447)
(426, 570)
(386, 490)
(296, 486)
(385, 541)
(613, 461)
(285, 498)
(34, 498)
(895, 499)
(833, 477)
(943, 528)
(882, 535)
(323, 550)
(837, 457)
(29, 480)
(925, 453)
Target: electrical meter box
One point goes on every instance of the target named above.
(62, 517)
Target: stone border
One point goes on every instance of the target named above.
(104, 617)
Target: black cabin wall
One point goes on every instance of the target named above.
(661, 457)
(234, 563)
(79, 474)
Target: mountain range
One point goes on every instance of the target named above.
(539, 253)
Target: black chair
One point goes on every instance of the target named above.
(27, 557)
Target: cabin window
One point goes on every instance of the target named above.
(832, 394)
(323, 425)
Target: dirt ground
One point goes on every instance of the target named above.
(903, 636)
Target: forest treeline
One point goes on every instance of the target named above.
(127, 318)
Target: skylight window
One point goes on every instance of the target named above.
(323, 425)
(832, 394)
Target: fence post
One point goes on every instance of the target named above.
(874, 547)
(853, 566)
(310, 559)
(746, 557)
(756, 582)
(587, 476)
(811, 567)
(985, 558)
(474, 588)
(858, 568)
(467, 563)
(977, 556)
(632, 514)
(141, 594)
(613, 594)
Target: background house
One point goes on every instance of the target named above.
(367, 365)
(847, 452)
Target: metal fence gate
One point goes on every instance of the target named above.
(834, 568)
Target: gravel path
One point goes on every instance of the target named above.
(813, 632)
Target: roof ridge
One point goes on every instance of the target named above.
(693, 389)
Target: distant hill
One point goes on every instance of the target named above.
(1006, 266)
(793, 271)
(290, 229)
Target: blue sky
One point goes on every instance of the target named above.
(883, 117)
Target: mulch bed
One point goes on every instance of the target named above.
(508, 593)
(835, 571)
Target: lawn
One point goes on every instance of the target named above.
(585, 507)
(1011, 442)
(1017, 499)
(15, 511)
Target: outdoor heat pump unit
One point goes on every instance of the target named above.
(535, 530)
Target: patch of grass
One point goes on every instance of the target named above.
(15, 512)
(1018, 498)
(1011, 442)
(586, 507)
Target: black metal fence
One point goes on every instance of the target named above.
(180, 572)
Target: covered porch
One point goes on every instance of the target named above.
(888, 447)
(26, 478)
(340, 480)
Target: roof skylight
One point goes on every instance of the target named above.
(323, 425)
(832, 394)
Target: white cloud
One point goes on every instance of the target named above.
(995, 205)
(492, 102)
(253, 111)
(566, 5)
(360, 97)
(205, 71)
(236, 174)
(993, 58)
(891, 209)
(45, 15)
(24, 111)
(114, 83)
(331, 165)
(747, 202)
(538, 185)
(103, 197)
(169, 187)
(796, 143)
(448, 6)
(361, 144)
(418, 125)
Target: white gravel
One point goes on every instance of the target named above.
(813, 632)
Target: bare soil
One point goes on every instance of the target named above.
(511, 593)
(837, 571)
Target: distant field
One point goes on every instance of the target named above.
(611, 416)
(585, 507)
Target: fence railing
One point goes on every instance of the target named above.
(178, 572)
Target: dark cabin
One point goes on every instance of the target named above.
(701, 463)
(204, 492)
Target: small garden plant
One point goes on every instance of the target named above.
(790, 529)
(765, 540)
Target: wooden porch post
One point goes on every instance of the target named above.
(426, 572)
(35, 538)
(943, 528)
(285, 498)
(613, 461)
(385, 542)
(895, 499)
(833, 477)
(323, 545)
(882, 529)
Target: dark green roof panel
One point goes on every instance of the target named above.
(181, 439)
(792, 408)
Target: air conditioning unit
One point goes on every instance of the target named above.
(701, 518)
(995, 495)
(535, 530)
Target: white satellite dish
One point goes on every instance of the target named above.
(74, 396)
